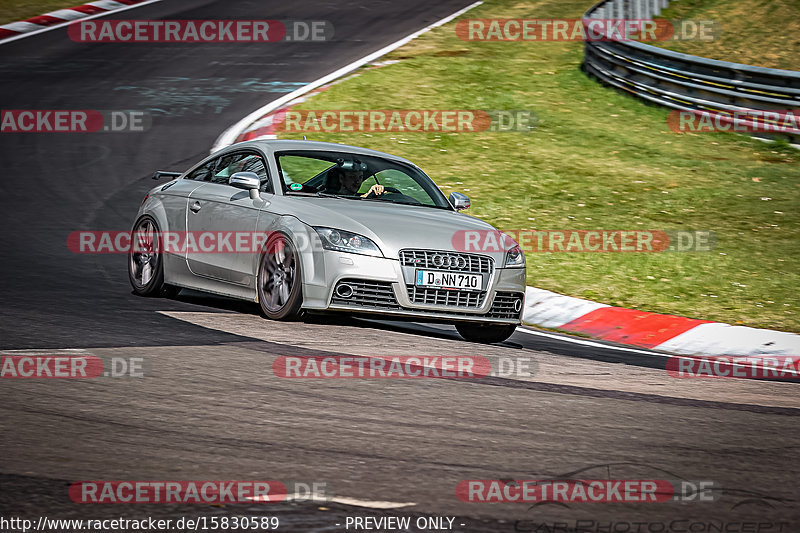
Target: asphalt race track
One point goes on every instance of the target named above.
(210, 406)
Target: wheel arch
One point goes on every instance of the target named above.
(306, 242)
(154, 207)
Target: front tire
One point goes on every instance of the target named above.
(280, 293)
(487, 334)
(145, 260)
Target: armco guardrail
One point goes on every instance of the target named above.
(683, 81)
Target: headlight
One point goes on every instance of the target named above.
(344, 241)
(515, 257)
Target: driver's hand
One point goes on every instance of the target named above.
(377, 190)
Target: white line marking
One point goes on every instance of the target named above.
(54, 351)
(634, 350)
(590, 343)
(344, 500)
(371, 504)
(228, 136)
(98, 15)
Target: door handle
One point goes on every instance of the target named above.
(195, 207)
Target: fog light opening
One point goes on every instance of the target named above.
(343, 290)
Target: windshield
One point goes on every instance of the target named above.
(357, 177)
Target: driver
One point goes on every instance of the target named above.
(347, 182)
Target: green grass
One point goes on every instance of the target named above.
(599, 159)
(754, 32)
(14, 10)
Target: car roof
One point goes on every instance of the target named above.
(277, 145)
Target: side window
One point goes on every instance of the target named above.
(254, 163)
(229, 165)
(220, 169)
(203, 172)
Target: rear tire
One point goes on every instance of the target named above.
(280, 291)
(145, 261)
(488, 334)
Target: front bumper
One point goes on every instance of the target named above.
(382, 286)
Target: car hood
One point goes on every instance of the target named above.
(393, 227)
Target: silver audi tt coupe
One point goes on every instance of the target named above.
(302, 226)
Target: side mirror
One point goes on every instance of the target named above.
(247, 181)
(459, 200)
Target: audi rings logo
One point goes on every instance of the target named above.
(449, 261)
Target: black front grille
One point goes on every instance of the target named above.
(372, 294)
(379, 296)
(435, 296)
(452, 261)
(506, 305)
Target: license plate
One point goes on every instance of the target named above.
(449, 280)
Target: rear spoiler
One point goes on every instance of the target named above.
(163, 173)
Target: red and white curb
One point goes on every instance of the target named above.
(63, 17)
(666, 333)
